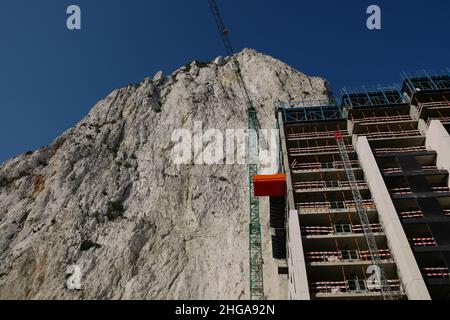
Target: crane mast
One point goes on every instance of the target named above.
(256, 279)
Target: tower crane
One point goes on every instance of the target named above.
(256, 279)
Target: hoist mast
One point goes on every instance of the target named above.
(365, 222)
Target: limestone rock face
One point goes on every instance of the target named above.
(107, 197)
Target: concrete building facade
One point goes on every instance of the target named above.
(398, 146)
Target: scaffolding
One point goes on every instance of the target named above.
(425, 81)
(313, 110)
(372, 97)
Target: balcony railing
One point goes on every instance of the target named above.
(345, 256)
(338, 229)
(320, 166)
(315, 134)
(407, 190)
(369, 120)
(441, 104)
(331, 207)
(399, 170)
(423, 242)
(417, 214)
(319, 149)
(405, 149)
(391, 134)
(413, 214)
(351, 287)
(435, 273)
(327, 185)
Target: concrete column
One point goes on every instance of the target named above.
(438, 139)
(298, 280)
(407, 267)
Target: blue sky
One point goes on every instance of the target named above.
(50, 77)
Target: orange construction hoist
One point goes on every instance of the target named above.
(269, 185)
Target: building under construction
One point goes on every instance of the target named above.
(367, 193)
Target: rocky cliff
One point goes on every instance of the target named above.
(106, 196)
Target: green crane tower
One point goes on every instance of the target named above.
(255, 250)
